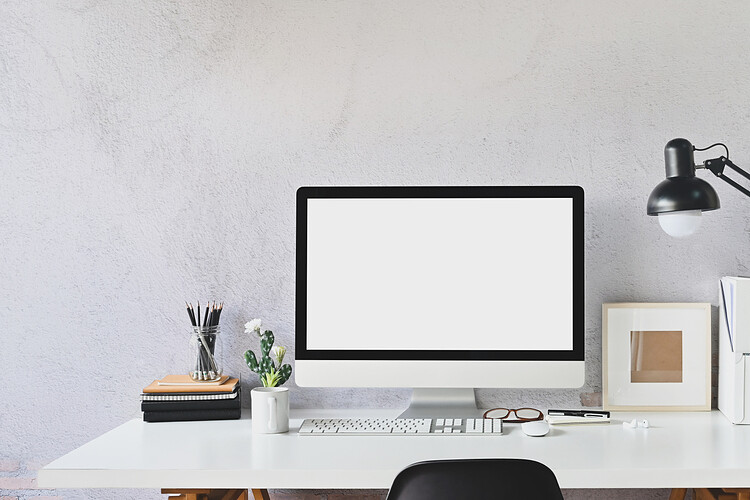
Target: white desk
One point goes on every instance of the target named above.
(699, 449)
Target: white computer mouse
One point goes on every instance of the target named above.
(536, 428)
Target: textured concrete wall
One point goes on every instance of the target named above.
(150, 151)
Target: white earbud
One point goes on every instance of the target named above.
(636, 423)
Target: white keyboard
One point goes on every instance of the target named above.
(400, 426)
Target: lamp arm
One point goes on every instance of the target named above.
(716, 166)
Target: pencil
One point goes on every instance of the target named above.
(190, 313)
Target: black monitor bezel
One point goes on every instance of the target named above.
(575, 193)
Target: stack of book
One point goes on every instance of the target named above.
(178, 398)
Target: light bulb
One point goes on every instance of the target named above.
(680, 224)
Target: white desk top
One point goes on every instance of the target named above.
(700, 449)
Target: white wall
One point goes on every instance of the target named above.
(150, 151)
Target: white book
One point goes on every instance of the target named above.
(734, 348)
(569, 419)
(189, 396)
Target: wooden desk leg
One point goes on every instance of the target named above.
(186, 494)
(232, 495)
(742, 493)
(704, 494)
(208, 494)
(260, 495)
(678, 494)
(722, 494)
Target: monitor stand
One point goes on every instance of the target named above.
(432, 403)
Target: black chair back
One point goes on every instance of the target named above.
(476, 479)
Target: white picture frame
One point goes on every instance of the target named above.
(656, 356)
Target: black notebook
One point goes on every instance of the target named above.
(185, 415)
(216, 404)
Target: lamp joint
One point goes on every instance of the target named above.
(716, 165)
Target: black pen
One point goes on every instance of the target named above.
(579, 413)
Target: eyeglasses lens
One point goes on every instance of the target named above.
(528, 413)
(497, 413)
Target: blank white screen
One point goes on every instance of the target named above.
(440, 274)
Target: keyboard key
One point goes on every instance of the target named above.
(497, 426)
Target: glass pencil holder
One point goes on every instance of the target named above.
(205, 353)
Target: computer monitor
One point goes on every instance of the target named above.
(440, 289)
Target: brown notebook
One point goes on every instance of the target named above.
(188, 385)
(179, 380)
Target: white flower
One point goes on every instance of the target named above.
(278, 353)
(253, 326)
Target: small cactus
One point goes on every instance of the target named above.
(270, 375)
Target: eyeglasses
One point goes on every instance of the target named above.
(522, 414)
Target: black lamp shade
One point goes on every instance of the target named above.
(682, 193)
(681, 190)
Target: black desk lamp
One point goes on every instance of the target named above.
(682, 197)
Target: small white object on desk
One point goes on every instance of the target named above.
(535, 428)
(633, 424)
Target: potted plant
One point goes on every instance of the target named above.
(270, 369)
